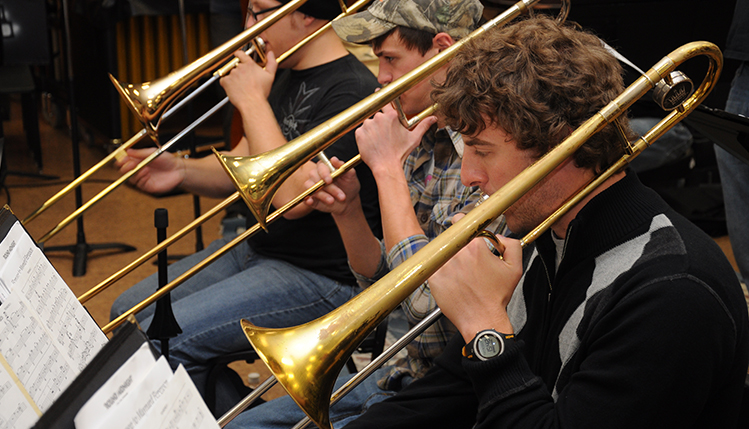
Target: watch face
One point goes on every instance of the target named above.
(488, 346)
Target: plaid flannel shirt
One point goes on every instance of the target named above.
(433, 173)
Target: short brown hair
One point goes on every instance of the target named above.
(538, 80)
(412, 39)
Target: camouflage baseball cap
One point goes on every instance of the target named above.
(454, 17)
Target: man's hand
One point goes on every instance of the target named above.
(474, 287)
(249, 83)
(384, 143)
(161, 175)
(337, 196)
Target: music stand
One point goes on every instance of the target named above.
(81, 248)
(727, 130)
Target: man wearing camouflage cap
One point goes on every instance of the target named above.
(455, 18)
(418, 177)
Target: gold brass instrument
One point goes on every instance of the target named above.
(177, 86)
(149, 100)
(259, 177)
(306, 359)
(257, 49)
(344, 121)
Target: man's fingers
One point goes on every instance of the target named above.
(424, 126)
(271, 65)
(242, 56)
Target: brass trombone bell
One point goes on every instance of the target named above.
(149, 100)
(306, 359)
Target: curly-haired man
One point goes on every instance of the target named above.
(623, 315)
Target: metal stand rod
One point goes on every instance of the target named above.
(163, 323)
(191, 139)
(80, 249)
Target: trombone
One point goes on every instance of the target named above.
(231, 199)
(260, 176)
(307, 358)
(152, 101)
(176, 87)
(331, 129)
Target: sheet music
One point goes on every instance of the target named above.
(8, 256)
(46, 336)
(17, 409)
(124, 383)
(180, 407)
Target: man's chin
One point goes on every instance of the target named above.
(410, 110)
(515, 226)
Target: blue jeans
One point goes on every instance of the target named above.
(734, 176)
(284, 413)
(239, 285)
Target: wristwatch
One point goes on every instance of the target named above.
(487, 344)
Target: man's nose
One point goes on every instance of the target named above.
(384, 77)
(470, 175)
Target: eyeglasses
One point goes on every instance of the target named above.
(255, 15)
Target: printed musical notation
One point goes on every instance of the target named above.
(46, 336)
(16, 411)
(144, 394)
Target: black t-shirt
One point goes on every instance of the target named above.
(301, 100)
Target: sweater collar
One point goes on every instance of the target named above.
(611, 217)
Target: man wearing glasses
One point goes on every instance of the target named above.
(298, 271)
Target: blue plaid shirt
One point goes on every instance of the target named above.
(433, 172)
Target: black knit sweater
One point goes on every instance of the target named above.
(643, 325)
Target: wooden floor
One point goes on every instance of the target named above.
(124, 216)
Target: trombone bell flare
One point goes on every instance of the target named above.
(249, 177)
(309, 378)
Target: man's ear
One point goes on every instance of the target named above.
(308, 20)
(442, 41)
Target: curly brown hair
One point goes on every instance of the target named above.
(538, 80)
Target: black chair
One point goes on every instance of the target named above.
(373, 345)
